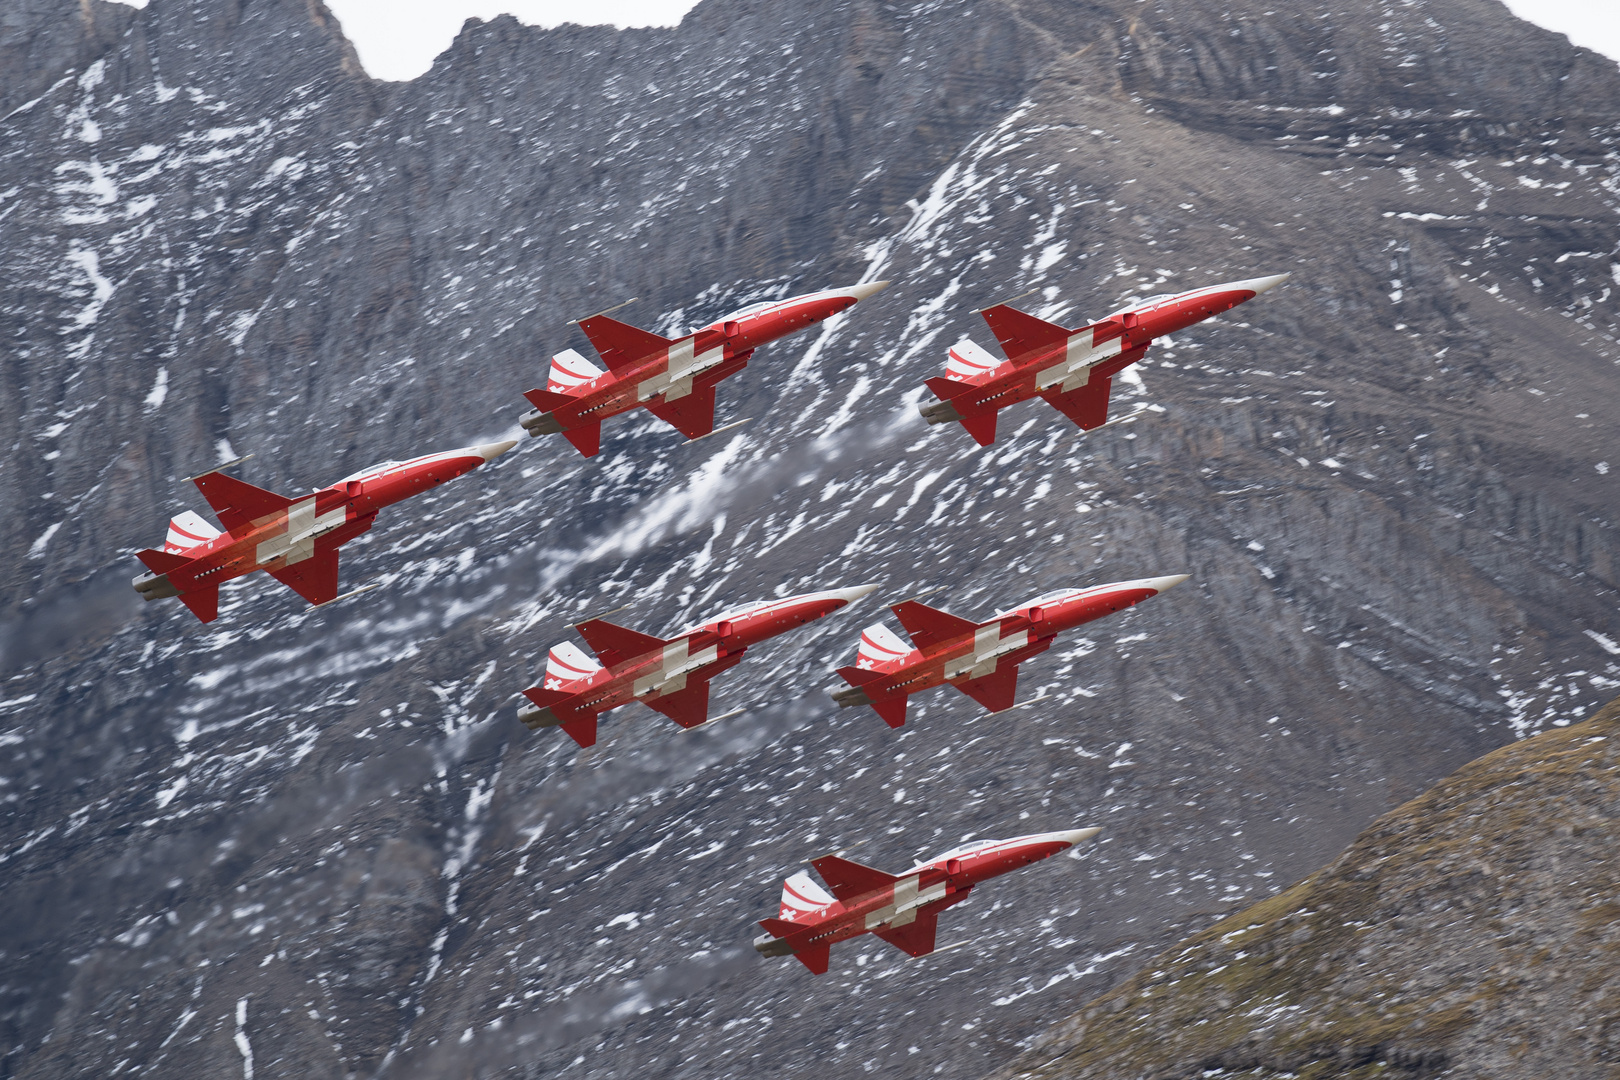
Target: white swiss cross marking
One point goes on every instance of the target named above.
(303, 526)
(1074, 370)
(684, 363)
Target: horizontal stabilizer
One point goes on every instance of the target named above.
(547, 400)
(204, 603)
(893, 711)
(981, 427)
(161, 562)
(857, 676)
(314, 578)
(587, 438)
(915, 938)
(611, 642)
(621, 344)
(929, 625)
(1020, 333)
(779, 928)
(945, 389)
(691, 415)
(545, 698)
(238, 503)
(1086, 406)
(848, 879)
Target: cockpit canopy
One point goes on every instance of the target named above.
(1045, 598)
(729, 614)
(760, 305)
(963, 849)
(1134, 304)
(370, 470)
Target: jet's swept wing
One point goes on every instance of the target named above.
(847, 879)
(995, 691)
(238, 503)
(692, 415)
(915, 938)
(1086, 406)
(929, 625)
(621, 344)
(690, 707)
(1020, 333)
(314, 578)
(612, 643)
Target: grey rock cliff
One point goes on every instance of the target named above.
(321, 837)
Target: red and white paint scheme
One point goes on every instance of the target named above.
(902, 909)
(669, 675)
(979, 659)
(673, 378)
(1071, 369)
(295, 541)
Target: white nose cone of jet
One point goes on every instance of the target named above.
(1075, 836)
(1260, 284)
(849, 596)
(1159, 584)
(491, 451)
(861, 292)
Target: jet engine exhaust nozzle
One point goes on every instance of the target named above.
(537, 423)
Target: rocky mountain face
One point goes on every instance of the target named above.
(1471, 932)
(318, 843)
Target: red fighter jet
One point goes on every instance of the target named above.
(902, 909)
(1072, 369)
(295, 541)
(674, 378)
(670, 675)
(979, 659)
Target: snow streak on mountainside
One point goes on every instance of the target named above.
(317, 842)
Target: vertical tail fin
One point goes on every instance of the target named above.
(567, 664)
(186, 531)
(801, 895)
(880, 646)
(570, 370)
(968, 360)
